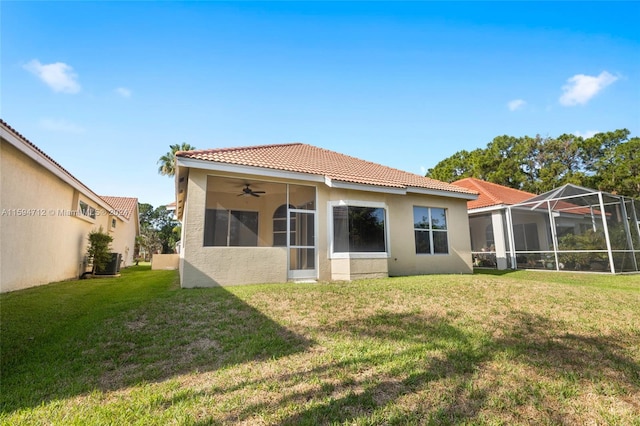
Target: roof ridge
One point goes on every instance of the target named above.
(239, 148)
(366, 161)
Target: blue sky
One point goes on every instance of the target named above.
(105, 87)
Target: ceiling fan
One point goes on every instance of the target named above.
(248, 191)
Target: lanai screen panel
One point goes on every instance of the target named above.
(577, 229)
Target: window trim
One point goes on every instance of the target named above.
(430, 230)
(89, 212)
(358, 255)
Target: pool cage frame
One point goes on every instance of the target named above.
(574, 228)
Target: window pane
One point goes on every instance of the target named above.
(366, 230)
(430, 226)
(358, 230)
(281, 212)
(421, 217)
(422, 242)
(340, 229)
(280, 225)
(438, 219)
(243, 229)
(215, 227)
(440, 244)
(280, 239)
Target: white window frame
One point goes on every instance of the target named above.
(89, 212)
(358, 255)
(431, 231)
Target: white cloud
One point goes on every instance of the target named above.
(124, 92)
(58, 76)
(516, 104)
(60, 126)
(581, 88)
(586, 135)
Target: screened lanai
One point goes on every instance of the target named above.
(575, 229)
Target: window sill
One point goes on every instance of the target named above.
(359, 256)
(85, 218)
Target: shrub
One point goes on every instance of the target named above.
(99, 249)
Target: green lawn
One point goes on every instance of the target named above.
(490, 348)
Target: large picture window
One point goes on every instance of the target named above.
(359, 229)
(230, 228)
(430, 229)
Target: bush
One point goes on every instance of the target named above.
(99, 249)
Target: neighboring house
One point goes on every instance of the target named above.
(171, 208)
(276, 213)
(568, 228)
(124, 226)
(46, 215)
(488, 221)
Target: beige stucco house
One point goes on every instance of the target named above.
(46, 215)
(124, 226)
(278, 213)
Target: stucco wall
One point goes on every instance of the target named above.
(165, 261)
(42, 239)
(124, 238)
(355, 269)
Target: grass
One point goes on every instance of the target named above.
(490, 348)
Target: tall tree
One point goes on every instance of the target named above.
(609, 161)
(159, 231)
(168, 161)
(619, 169)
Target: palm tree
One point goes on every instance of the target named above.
(168, 161)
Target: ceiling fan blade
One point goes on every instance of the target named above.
(258, 192)
(254, 194)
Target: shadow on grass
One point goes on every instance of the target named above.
(367, 370)
(494, 272)
(144, 335)
(417, 352)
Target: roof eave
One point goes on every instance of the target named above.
(486, 209)
(338, 184)
(310, 177)
(443, 193)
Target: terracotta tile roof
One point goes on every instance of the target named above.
(124, 206)
(492, 194)
(303, 158)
